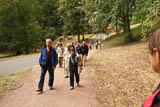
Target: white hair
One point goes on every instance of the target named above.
(47, 40)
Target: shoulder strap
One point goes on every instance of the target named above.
(149, 101)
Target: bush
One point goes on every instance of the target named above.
(126, 39)
(61, 39)
(69, 38)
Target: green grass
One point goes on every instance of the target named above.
(121, 38)
(11, 81)
(70, 38)
(13, 56)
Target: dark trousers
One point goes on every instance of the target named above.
(42, 77)
(90, 47)
(96, 47)
(72, 73)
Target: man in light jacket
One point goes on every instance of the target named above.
(60, 51)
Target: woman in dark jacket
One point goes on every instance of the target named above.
(73, 68)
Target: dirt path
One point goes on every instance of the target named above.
(61, 96)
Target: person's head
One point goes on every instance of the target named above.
(68, 46)
(73, 43)
(84, 42)
(154, 47)
(48, 42)
(60, 44)
(72, 51)
(78, 44)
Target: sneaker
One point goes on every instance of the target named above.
(71, 88)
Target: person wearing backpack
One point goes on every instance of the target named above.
(48, 61)
(84, 52)
(78, 48)
(154, 47)
(75, 67)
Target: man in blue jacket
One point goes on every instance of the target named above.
(48, 61)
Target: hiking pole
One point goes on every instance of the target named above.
(64, 65)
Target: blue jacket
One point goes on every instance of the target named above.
(54, 57)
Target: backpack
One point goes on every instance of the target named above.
(83, 50)
(78, 49)
(154, 99)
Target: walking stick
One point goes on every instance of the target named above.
(64, 65)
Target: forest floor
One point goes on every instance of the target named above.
(124, 77)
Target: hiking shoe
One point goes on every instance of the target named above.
(66, 76)
(71, 88)
(39, 90)
(51, 88)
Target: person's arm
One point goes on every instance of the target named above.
(40, 58)
(55, 58)
(87, 49)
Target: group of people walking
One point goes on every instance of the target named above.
(97, 44)
(72, 58)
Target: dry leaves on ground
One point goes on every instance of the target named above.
(124, 76)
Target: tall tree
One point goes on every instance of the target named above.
(74, 16)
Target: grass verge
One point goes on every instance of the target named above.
(17, 56)
(12, 81)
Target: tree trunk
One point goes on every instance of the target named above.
(127, 24)
(83, 37)
(21, 18)
(78, 36)
(124, 24)
(116, 24)
(26, 41)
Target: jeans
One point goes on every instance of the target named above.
(42, 77)
(72, 73)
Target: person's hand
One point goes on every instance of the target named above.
(54, 68)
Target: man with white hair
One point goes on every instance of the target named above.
(48, 61)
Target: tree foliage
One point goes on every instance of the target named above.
(25, 24)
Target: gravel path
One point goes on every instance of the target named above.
(60, 96)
